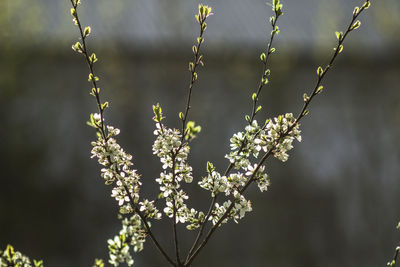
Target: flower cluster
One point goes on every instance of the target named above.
(217, 183)
(10, 257)
(131, 234)
(173, 154)
(278, 135)
(117, 167)
(242, 146)
(236, 211)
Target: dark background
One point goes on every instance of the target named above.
(334, 203)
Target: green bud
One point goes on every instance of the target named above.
(77, 47)
(200, 40)
(194, 76)
(191, 66)
(191, 130)
(339, 35)
(73, 12)
(92, 78)
(306, 98)
(87, 31)
(319, 90)
(194, 49)
(356, 25)
(181, 115)
(247, 118)
(263, 57)
(367, 4)
(254, 96)
(104, 105)
(93, 58)
(272, 50)
(258, 108)
(355, 11)
(272, 20)
(319, 71)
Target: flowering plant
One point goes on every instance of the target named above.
(250, 149)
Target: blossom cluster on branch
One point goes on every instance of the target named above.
(250, 149)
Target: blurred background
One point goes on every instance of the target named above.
(334, 203)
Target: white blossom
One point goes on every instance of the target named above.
(132, 235)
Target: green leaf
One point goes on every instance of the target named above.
(210, 167)
(10, 252)
(157, 113)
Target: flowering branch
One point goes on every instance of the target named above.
(290, 130)
(111, 155)
(277, 8)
